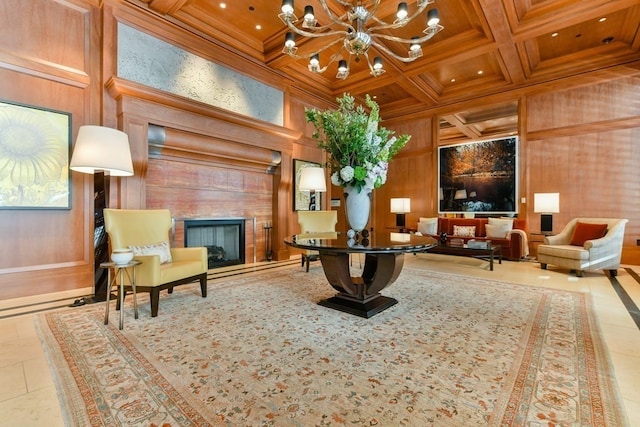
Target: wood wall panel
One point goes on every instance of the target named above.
(617, 99)
(592, 166)
(412, 173)
(57, 33)
(52, 66)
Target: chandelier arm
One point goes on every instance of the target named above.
(333, 59)
(309, 55)
(366, 55)
(342, 2)
(337, 20)
(391, 53)
(422, 39)
(310, 34)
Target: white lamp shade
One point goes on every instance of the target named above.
(546, 202)
(312, 179)
(101, 148)
(400, 205)
(460, 194)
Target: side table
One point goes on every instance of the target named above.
(121, 269)
(536, 239)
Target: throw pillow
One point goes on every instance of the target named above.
(585, 231)
(464, 230)
(508, 222)
(428, 226)
(497, 231)
(162, 249)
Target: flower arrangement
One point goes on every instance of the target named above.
(360, 150)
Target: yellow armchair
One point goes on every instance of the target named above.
(315, 222)
(150, 228)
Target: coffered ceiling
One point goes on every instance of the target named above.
(487, 47)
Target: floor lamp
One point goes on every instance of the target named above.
(400, 207)
(546, 204)
(100, 151)
(312, 179)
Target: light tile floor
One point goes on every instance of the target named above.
(28, 396)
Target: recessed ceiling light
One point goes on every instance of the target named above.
(602, 19)
(258, 27)
(223, 5)
(453, 80)
(480, 72)
(554, 34)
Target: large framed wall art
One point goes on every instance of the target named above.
(479, 177)
(34, 157)
(302, 199)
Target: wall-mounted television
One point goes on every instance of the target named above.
(479, 177)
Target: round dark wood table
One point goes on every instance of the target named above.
(384, 258)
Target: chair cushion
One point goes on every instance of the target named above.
(497, 231)
(464, 230)
(504, 222)
(170, 272)
(585, 231)
(428, 226)
(161, 248)
(554, 254)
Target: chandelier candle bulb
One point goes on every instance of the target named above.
(403, 12)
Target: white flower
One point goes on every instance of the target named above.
(346, 173)
(335, 179)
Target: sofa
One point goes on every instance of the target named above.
(509, 233)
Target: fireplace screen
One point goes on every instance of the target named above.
(223, 238)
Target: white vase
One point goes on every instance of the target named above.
(358, 207)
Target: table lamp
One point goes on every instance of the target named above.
(400, 207)
(312, 179)
(546, 204)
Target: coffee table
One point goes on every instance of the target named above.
(384, 258)
(488, 254)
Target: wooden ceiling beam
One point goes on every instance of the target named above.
(469, 130)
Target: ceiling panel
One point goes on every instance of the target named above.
(509, 40)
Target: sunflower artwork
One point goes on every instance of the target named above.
(34, 157)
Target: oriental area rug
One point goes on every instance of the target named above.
(259, 351)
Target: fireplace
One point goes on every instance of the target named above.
(223, 238)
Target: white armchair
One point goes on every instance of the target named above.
(603, 253)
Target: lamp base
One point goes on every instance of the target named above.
(546, 223)
(400, 220)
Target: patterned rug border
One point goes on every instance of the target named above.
(72, 399)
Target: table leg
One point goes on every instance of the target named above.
(121, 271)
(135, 299)
(491, 259)
(360, 295)
(109, 286)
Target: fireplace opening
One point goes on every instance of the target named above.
(223, 238)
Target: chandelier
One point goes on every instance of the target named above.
(358, 29)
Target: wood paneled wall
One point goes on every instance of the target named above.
(50, 58)
(584, 144)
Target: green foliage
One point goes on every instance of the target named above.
(359, 148)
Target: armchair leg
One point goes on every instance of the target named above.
(613, 273)
(203, 284)
(543, 266)
(155, 300)
(579, 273)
